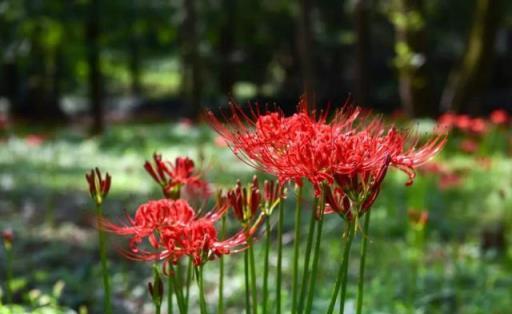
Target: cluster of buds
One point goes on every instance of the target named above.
(246, 201)
(99, 186)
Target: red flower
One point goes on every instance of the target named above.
(499, 116)
(7, 238)
(172, 177)
(352, 147)
(418, 218)
(468, 146)
(173, 230)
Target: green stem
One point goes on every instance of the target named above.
(158, 309)
(279, 256)
(360, 287)
(296, 244)
(169, 296)
(265, 265)
(247, 294)
(254, 291)
(8, 277)
(220, 304)
(341, 280)
(307, 254)
(175, 283)
(187, 288)
(107, 302)
(200, 284)
(316, 255)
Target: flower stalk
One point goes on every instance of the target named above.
(220, 303)
(364, 245)
(279, 256)
(98, 189)
(307, 254)
(296, 245)
(316, 254)
(7, 239)
(200, 284)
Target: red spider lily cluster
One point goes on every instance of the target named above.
(170, 229)
(476, 126)
(351, 149)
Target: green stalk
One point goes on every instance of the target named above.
(169, 295)
(247, 294)
(265, 265)
(187, 288)
(296, 244)
(220, 304)
(254, 291)
(8, 277)
(316, 255)
(307, 254)
(107, 302)
(175, 282)
(200, 284)
(341, 280)
(360, 287)
(279, 256)
(158, 309)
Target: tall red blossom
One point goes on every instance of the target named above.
(169, 230)
(352, 147)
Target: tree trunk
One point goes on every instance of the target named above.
(467, 81)
(306, 50)
(192, 60)
(134, 53)
(362, 51)
(411, 58)
(226, 46)
(93, 59)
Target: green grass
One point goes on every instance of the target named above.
(44, 199)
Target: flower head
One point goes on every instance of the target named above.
(171, 229)
(99, 186)
(499, 117)
(173, 176)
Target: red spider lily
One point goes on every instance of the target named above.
(338, 202)
(351, 145)
(499, 117)
(98, 186)
(172, 177)
(173, 230)
(291, 148)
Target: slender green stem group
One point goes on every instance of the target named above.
(200, 284)
(170, 290)
(316, 255)
(252, 267)
(307, 254)
(279, 256)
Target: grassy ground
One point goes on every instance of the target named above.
(43, 197)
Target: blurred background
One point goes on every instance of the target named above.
(86, 83)
(92, 60)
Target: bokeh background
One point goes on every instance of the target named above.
(87, 83)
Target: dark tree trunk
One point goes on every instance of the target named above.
(411, 59)
(192, 60)
(306, 50)
(362, 51)
(226, 46)
(93, 59)
(466, 82)
(134, 54)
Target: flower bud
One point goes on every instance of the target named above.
(98, 186)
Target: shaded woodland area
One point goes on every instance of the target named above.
(65, 60)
